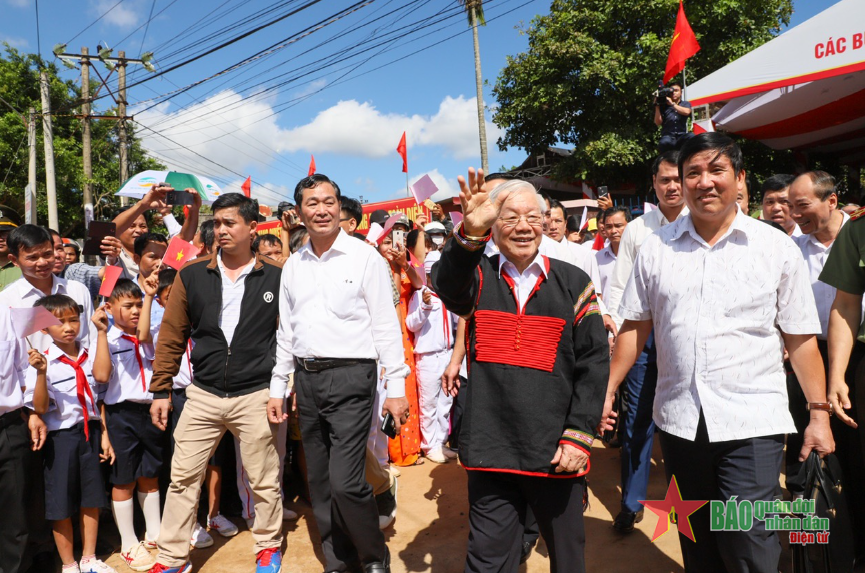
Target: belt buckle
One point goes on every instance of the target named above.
(309, 364)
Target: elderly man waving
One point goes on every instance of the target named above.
(538, 358)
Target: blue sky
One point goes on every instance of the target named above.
(266, 118)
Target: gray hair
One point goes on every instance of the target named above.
(515, 187)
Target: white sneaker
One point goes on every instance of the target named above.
(95, 566)
(149, 544)
(288, 515)
(72, 568)
(138, 558)
(222, 526)
(200, 538)
(437, 455)
(449, 453)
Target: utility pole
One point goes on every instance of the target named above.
(121, 111)
(85, 138)
(48, 134)
(30, 191)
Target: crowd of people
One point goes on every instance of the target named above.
(509, 341)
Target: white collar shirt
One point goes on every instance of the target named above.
(125, 383)
(232, 297)
(156, 310)
(339, 305)
(432, 324)
(606, 260)
(22, 294)
(184, 373)
(815, 254)
(64, 409)
(718, 313)
(632, 239)
(13, 361)
(524, 282)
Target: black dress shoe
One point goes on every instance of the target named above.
(379, 567)
(526, 551)
(624, 522)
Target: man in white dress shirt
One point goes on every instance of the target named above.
(615, 220)
(776, 202)
(814, 208)
(725, 294)
(639, 392)
(337, 318)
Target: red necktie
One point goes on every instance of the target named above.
(81, 386)
(134, 341)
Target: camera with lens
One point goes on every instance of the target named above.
(663, 93)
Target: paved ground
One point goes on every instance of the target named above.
(431, 529)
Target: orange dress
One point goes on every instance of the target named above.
(404, 450)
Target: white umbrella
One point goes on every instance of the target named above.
(139, 184)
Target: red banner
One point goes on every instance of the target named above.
(269, 228)
(407, 206)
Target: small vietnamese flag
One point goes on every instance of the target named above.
(179, 251)
(402, 149)
(683, 46)
(311, 166)
(247, 186)
(109, 279)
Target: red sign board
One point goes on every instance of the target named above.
(407, 206)
(269, 228)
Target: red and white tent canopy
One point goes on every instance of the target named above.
(803, 90)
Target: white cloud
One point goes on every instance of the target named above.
(267, 193)
(18, 3)
(233, 136)
(125, 15)
(16, 42)
(310, 89)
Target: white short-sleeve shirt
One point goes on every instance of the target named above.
(125, 383)
(718, 313)
(64, 409)
(13, 358)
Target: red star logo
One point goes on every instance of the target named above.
(673, 508)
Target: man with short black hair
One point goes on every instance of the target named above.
(204, 239)
(268, 245)
(337, 317)
(615, 219)
(776, 204)
(350, 214)
(233, 357)
(721, 397)
(672, 115)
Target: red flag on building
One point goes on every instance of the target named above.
(178, 252)
(311, 166)
(683, 46)
(402, 149)
(247, 186)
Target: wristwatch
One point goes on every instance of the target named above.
(824, 406)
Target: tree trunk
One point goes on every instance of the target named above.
(482, 126)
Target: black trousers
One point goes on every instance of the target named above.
(14, 462)
(335, 407)
(748, 469)
(497, 513)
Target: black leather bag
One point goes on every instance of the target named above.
(822, 481)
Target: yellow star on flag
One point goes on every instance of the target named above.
(179, 255)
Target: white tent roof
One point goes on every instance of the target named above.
(804, 89)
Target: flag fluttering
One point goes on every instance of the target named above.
(26, 321)
(683, 46)
(247, 186)
(311, 166)
(402, 149)
(178, 252)
(109, 279)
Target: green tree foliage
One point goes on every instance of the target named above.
(587, 78)
(19, 86)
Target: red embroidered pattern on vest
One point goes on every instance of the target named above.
(518, 340)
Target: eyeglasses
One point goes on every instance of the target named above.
(533, 220)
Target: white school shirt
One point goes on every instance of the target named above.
(21, 294)
(184, 373)
(125, 384)
(232, 296)
(815, 254)
(632, 239)
(13, 360)
(718, 313)
(339, 305)
(606, 260)
(432, 324)
(64, 409)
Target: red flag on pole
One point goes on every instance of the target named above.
(683, 46)
(402, 149)
(311, 166)
(178, 252)
(109, 279)
(247, 186)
